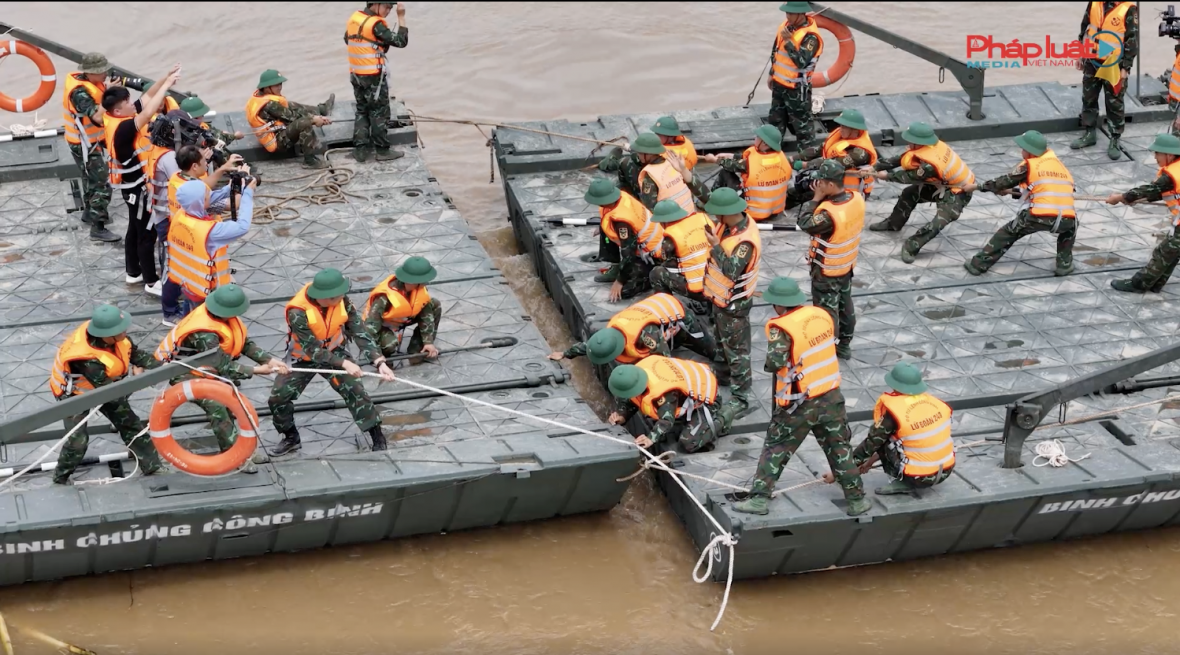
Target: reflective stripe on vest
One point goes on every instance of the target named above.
(661, 309)
(365, 55)
(836, 147)
(1048, 193)
(1174, 81)
(638, 218)
(691, 247)
(838, 257)
(764, 184)
(952, 171)
(718, 287)
(79, 129)
(687, 151)
(264, 130)
(813, 369)
(670, 184)
(117, 168)
(328, 330)
(693, 380)
(76, 349)
(1114, 22)
(178, 178)
(783, 70)
(401, 309)
(231, 335)
(189, 264)
(158, 190)
(923, 438)
(1172, 198)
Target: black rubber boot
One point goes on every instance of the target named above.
(326, 107)
(289, 444)
(86, 218)
(378, 438)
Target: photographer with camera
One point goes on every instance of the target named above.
(198, 242)
(197, 109)
(1102, 22)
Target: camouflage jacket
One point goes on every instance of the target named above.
(819, 223)
(226, 366)
(1130, 38)
(354, 329)
(1150, 192)
(734, 266)
(923, 172)
(629, 167)
(881, 432)
(425, 318)
(651, 337)
(778, 351)
(387, 37)
(802, 55)
(854, 157)
(666, 406)
(96, 373)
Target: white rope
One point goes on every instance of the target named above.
(19, 130)
(52, 448)
(102, 481)
(723, 538)
(1054, 454)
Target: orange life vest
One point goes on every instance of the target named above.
(178, 178)
(670, 184)
(923, 438)
(783, 70)
(952, 171)
(1172, 198)
(1174, 81)
(813, 369)
(638, 218)
(661, 309)
(1115, 22)
(723, 291)
(401, 309)
(264, 129)
(77, 349)
(117, 169)
(328, 329)
(231, 335)
(365, 55)
(159, 192)
(838, 256)
(77, 125)
(835, 147)
(764, 184)
(692, 248)
(686, 150)
(693, 380)
(1049, 190)
(189, 263)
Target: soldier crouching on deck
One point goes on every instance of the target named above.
(678, 395)
(401, 301)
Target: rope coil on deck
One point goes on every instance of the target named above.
(327, 187)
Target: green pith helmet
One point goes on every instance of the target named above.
(270, 78)
(795, 7)
(1033, 142)
(227, 301)
(853, 119)
(194, 106)
(667, 126)
(784, 292)
(725, 202)
(667, 211)
(1165, 143)
(627, 381)
(831, 170)
(328, 283)
(415, 270)
(604, 346)
(771, 136)
(602, 192)
(94, 63)
(108, 321)
(905, 378)
(648, 144)
(920, 133)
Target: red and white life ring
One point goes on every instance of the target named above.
(44, 66)
(160, 427)
(843, 62)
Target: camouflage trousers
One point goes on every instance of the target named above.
(299, 135)
(225, 429)
(704, 344)
(835, 295)
(695, 434)
(826, 419)
(665, 281)
(126, 422)
(950, 206)
(634, 272)
(1018, 228)
(371, 93)
(1159, 268)
(790, 109)
(891, 462)
(1115, 106)
(289, 387)
(96, 187)
(733, 337)
(1175, 108)
(390, 341)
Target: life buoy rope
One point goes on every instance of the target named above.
(843, 62)
(160, 427)
(44, 66)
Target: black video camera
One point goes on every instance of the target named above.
(1170, 23)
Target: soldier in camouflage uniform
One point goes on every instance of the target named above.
(694, 431)
(1092, 85)
(950, 203)
(1155, 274)
(107, 327)
(851, 125)
(371, 89)
(225, 303)
(299, 121)
(823, 415)
(832, 293)
(633, 267)
(196, 109)
(327, 290)
(414, 273)
(1065, 227)
(790, 107)
(605, 345)
(734, 168)
(663, 279)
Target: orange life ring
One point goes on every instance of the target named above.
(160, 427)
(843, 60)
(44, 66)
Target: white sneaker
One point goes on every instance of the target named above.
(156, 289)
(169, 321)
(133, 280)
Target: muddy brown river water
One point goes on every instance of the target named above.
(617, 582)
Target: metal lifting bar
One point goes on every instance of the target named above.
(971, 79)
